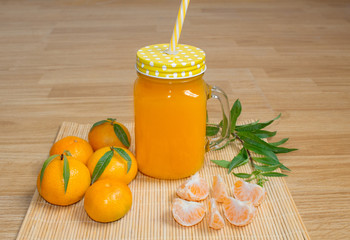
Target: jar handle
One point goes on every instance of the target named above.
(220, 141)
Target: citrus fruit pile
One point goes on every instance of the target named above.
(239, 210)
(74, 170)
(99, 170)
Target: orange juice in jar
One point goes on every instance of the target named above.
(170, 98)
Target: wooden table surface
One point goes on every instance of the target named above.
(74, 61)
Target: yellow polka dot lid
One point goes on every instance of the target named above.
(154, 61)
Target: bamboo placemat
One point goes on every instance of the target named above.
(150, 216)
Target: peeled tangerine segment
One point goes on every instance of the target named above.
(216, 221)
(187, 213)
(194, 189)
(237, 212)
(249, 192)
(219, 189)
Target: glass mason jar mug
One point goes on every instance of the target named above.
(170, 99)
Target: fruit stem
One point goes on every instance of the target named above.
(112, 120)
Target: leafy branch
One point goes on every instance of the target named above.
(251, 136)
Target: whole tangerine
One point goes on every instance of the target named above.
(78, 147)
(117, 168)
(107, 133)
(107, 200)
(52, 188)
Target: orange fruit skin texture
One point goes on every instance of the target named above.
(104, 136)
(216, 221)
(187, 213)
(52, 186)
(117, 167)
(237, 212)
(193, 189)
(78, 147)
(107, 200)
(251, 192)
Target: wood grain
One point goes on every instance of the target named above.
(74, 61)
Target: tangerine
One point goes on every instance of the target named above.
(117, 168)
(194, 189)
(78, 147)
(107, 133)
(249, 192)
(219, 189)
(237, 212)
(52, 187)
(187, 213)
(216, 221)
(107, 200)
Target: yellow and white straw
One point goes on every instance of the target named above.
(178, 26)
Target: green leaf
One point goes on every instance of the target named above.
(261, 181)
(283, 150)
(242, 175)
(224, 125)
(67, 153)
(284, 167)
(273, 174)
(124, 155)
(98, 123)
(242, 163)
(264, 134)
(265, 160)
(279, 142)
(247, 126)
(212, 130)
(46, 163)
(251, 127)
(235, 112)
(250, 138)
(111, 119)
(66, 172)
(266, 168)
(121, 135)
(101, 165)
(220, 123)
(221, 163)
(267, 153)
(270, 162)
(241, 157)
(256, 172)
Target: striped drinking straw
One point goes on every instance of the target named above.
(178, 26)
